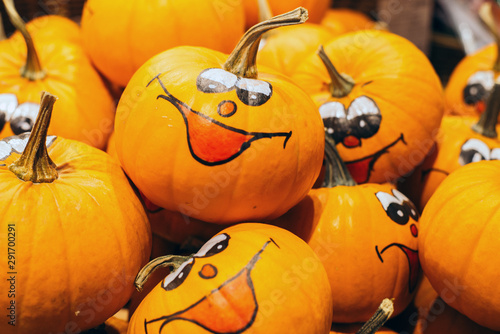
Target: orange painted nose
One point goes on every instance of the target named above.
(226, 108)
(208, 271)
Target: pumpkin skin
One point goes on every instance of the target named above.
(348, 224)
(258, 175)
(86, 109)
(256, 268)
(390, 75)
(80, 239)
(343, 20)
(458, 235)
(316, 9)
(178, 21)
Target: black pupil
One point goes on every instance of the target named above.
(21, 124)
(401, 213)
(474, 93)
(363, 126)
(217, 248)
(2, 120)
(181, 276)
(468, 156)
(252, 99)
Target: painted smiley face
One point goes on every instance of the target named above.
(229, 308)
(21, 117)
(220, 143)
(403, 212)
(478, 89)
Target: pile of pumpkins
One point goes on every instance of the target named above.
(247, 171)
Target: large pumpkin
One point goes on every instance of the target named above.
(215, 133)
(121, 35)
(47, 54)
(380, 99)
(373, 226)
(458, 241)
(77, 234)
(250, 277)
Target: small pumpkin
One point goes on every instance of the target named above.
(121, 36)
(372, 225)
(250, 277)
(365, 85)
(77, 232)
(458, 241)
(215, 132)
(343, 20)
(38, 57)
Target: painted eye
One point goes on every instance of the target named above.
(335, 120)
(213, 246)
(23, 117)
(364, 117)
(8, 103)
(495, 154)
(253, 92)
(478, 87)
(5, 150)
(174, 279)
(473, 150)
(216, 80)
(2, 120)
(21, 124)
(397, 206)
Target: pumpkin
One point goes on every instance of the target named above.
(77, 234)
(473, 78)
(56, 62)
(458, 238)
(316, 9)
(140, 29)
(216, 133)
(372, 225)
(343, 20)
(365, 85)
(353, 329)
(250, 277)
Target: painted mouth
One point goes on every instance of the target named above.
(230, 308)
(211, 142)
(361, 169)
(413, 262)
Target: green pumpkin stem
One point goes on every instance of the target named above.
(336, 173)
(340, 85)
(243, 60)
(32, 70)
(172, 261)
(489, 13)
(35, 164)
(380, 317)
(486, 125)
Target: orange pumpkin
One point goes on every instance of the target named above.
(366, 85)
(353, 329)
(121, 36)
(77, 234)
(372, 225)
(219, 133)
(56, 62)
(316, 9)
(458, 242)
(343, 20)
(473, 78)
(250, 277)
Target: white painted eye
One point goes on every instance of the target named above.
(254, 86)
(386, 199)
(473, 150)
(175, 278)
(332, 110)
(18, 143)
(213, 246)
(362, 105)
(401, 198)
(216, 80)
(27, 109)
(5, 150)
(484, 78)
(8, 103)
(495, 154)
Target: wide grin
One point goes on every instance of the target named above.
(218, 143)
(413, 262)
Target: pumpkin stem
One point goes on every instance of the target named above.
(336, 173)
(486, 125)
(380, 317)
(32, 70)
(173, 261)
(2, 30)
(265, 13)
(243, 60)
(341, 84)
(489, 13)
(35, 164)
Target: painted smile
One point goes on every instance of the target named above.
(218, 143)
(230, 308)
(413, 263)
(361, 169)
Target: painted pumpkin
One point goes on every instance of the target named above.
(458, 240)
(250, 277)
(58, 64)
(316, 9)
(343, 20)
(219, 133)
(366, 85)
(153, 26)
(372, 225)
(472, 80)
(77, 233)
